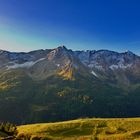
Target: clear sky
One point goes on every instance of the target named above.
(78, 24)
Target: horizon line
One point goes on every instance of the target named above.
(85, 50)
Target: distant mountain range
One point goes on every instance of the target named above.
(61, 84)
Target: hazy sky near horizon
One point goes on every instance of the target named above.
(78, 24)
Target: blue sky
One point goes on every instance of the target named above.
(78, 24)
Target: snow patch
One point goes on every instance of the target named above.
(58, 65)
(24, 65)
(94, 73)
(95, 65)
(114, 67)
(121, 66)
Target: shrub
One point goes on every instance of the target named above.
(111, 130)
(102, 124)
(8, 128)
(23, 137)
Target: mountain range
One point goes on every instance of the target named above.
(61, 84)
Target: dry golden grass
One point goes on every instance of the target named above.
(86, 129)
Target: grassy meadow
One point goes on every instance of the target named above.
(84, 129)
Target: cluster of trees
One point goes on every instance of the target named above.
(55, 99)
(8, 130)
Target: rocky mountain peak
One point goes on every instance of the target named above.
(101, 60)
(62, 47)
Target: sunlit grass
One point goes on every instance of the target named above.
(82, 129)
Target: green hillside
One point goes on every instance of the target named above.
(25, 101)
(83, 129)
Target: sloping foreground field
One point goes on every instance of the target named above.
(84, 129)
